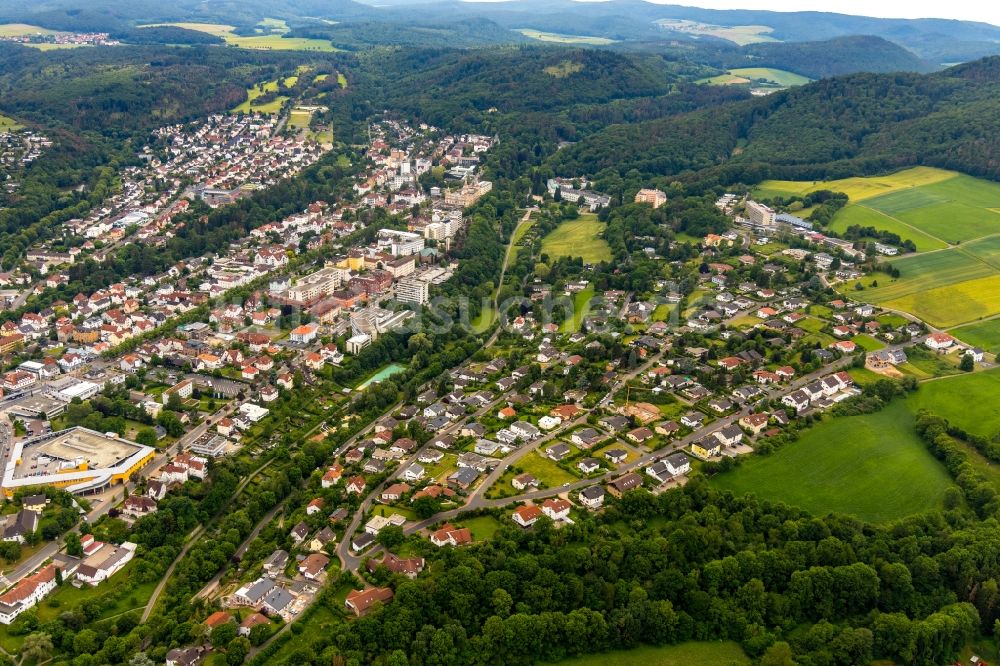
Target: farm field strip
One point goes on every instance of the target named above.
(860, 188)
(864, 216)
(953, 304)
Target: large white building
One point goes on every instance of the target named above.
(78, 460)
(314, 285)
(760, 214)
(412, 290)
(400, 243)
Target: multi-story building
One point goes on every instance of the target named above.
(654, 198)
(412, 290)
(760, 214)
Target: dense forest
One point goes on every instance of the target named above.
(858, 124)
(692, 564)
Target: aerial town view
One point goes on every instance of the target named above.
(499, 333)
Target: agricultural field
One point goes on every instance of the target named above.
(965, 400)
(740, 35)
(275, 41)
(578, 238)
(985, 334)
(726, 79)
(864, 216)
(707, 653)
(780, 77)
(858, 188)
(953, 304)
(23, 29)
(564, 39)
(872, 466)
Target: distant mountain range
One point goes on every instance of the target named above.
(935, 41)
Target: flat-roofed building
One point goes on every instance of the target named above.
(78, 460)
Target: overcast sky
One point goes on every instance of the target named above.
(969, 10)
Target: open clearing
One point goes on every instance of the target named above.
(749, 75)
(873, 467)
(771, 75)
(267, 42)
(24, 29)
(578, 238)
(738, 34)
(707, 653)
(967, 400)
(8, 124)
(564, 39)
(725, 80)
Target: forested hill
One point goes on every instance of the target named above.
(849, 125)
(128, 88)
(439, 84)
(833, 57)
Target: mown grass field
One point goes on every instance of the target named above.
(269, 42)
(8, 124)
(873, 467)
(545, 470)
(861, 215)
(985, 334)
(578, 238)
(24, 29)
(564, 39)
(772, 75)
(581, 307)
(707, 653)
(967, 400)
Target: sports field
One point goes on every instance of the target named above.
(872, 466)
(707, 653)
(268, 42)
(578, 238)
(967, 400)
(564, 39)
